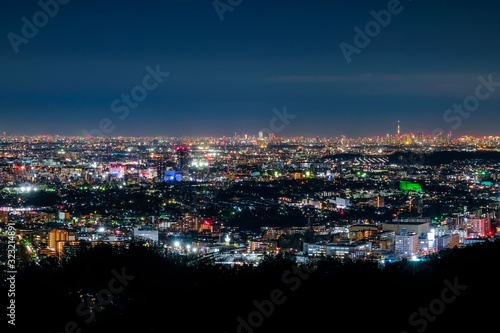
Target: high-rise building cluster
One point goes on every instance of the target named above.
(383, 198)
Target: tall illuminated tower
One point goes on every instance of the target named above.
(182, 159)
(398, 128)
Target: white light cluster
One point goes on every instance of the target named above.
(27, 189)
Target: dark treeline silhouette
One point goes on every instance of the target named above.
(442, 157)
(432, 159)
(165, 295)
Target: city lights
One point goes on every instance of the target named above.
(307, 165)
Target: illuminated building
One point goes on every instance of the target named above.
(4, 217)
(342, 203)
(182, 155)
(207, 227)
(380, 202)
(73, 248)
(477, 227)
(352, 250)
(383, 240)
(63, 216)
(417, 226)
(146, 234)
(151, 173)
(314, 249)
(272, 233)
(117, 171)
(191, 223)
(447, 241)
(406, 244)
(57, 238)
(170, 175)
(409, 186)
(360, 231)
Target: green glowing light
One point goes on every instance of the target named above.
(409, 186)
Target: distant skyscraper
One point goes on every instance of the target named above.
(420, 137)
(398, 129)
(182, 159)
(261, 135)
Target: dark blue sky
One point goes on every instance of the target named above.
(227, 76)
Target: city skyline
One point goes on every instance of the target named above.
(235, 165)
(424, 134)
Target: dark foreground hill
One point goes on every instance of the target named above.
(139, 291)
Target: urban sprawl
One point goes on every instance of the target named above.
(234, 200)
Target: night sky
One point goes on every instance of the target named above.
(227, 76)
